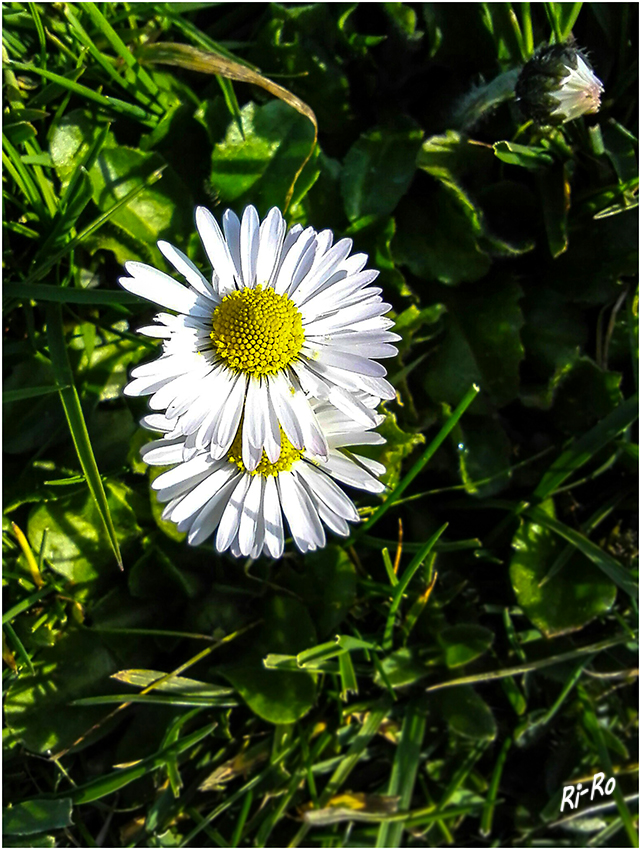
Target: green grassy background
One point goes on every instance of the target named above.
(438, 678)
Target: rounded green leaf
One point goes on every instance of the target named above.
(577, 594)
(464, 642)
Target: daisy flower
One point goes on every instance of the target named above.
(245, 507)
(286, 315)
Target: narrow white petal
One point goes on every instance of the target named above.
(272, 233)
(202, 493)
(187, 269)
(249, 245)
(231, 228)
(206, 522)
(273, 519)
(162, 452)
(281, 392)
(302, 517)
(158, 287)
(216, 249)
(228, 527)
(322, 486)
(251, 512)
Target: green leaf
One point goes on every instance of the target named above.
(481, 345)
(76, 545)
(585, 394)
(276, 696)
(400, 668)
(379, 168)
(35, 816)
(463, 643)
(438, 239)
(262, 166)
(37, 704)
(554, 186)
(568, 601)
(523, 155)
(466, 713)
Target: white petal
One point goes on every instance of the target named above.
(216, 249)
(344, 360)
(324, 269)
(208, 518)
(202, 493)
(323, 487)
(158, 287)
(281, 393)
(302, 517)
(162, 452)
(252, 507)
(249, 245)
(184, 265)
(232, 412)
(231, 228)
(230, 519)
(272, 233)
(273, 519)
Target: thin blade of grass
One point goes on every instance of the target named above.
(9, 396)
(614, 570)
(76, 421)
(423, 460)
(528, 667)
(121, 106)
(487, 816)
(586, 446)
(401, 587)
(404, 769)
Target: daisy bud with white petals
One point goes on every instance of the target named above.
(558, 85)
(245, 507)
(286, 315)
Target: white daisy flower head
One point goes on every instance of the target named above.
(558, 85)
(286, 315)
(244, 508)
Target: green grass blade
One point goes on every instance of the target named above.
(28, 392)
(586, 446)
(76, 421)
(67, 295)
(114, 103)
(404, 769)
(529, 666)
(615, 571)
(401, 587)
(492, 792)
(423, 460)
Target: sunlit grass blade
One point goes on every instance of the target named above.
(587, 446)
(112, 103)
(95, 225)
(76, 421)
(404, 769)
(427, 455)
(615, 571)
(593, 727)
(492, 792)
(9, 396)
(529, 666)
(404, 581)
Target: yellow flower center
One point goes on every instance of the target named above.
(288, 454)
(257, 331)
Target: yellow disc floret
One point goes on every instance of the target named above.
(257, 331)
(288, 454)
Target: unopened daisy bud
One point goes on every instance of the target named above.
(558, 85)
